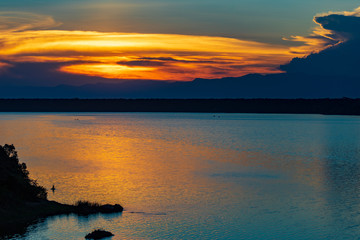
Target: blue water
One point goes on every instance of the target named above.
(195, 176)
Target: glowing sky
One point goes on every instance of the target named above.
(163, 39)
(141, 56)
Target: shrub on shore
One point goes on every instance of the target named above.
(86, 207)
(82, 203)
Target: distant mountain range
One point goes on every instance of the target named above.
(284, 85)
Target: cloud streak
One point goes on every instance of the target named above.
(116, 55)
(22, 21)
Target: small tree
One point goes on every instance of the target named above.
(21, 182)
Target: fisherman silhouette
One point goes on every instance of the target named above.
(53, 188)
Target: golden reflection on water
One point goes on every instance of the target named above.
(142, 164)
(109, 161)
(117, 162)
(228, 175)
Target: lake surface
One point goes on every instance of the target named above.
(195, 176)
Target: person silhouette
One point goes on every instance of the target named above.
(53, 188)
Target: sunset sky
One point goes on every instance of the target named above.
(160, 40)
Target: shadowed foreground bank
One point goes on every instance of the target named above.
(342, 106)
(23, 201)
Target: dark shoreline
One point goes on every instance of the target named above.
(327, 106)
(16, 220)
(23, 200)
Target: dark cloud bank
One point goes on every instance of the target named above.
(333, 72)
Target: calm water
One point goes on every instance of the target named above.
(195, 176)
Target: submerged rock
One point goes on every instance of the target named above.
(98, 234)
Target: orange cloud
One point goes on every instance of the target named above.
(105, 54)
(137, 56)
